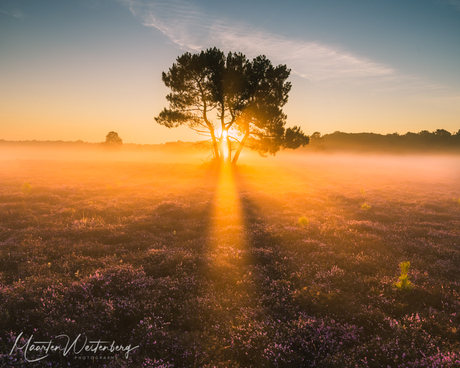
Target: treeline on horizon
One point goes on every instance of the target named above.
(439, 140)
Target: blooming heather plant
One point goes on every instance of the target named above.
(76, 258)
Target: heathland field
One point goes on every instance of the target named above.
(292, 264)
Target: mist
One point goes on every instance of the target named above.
(357, 167)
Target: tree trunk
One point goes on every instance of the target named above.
(221, 148)
(240, 147)
(229, 148)
(214, 144)
(210, 127)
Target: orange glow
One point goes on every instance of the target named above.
(227, 234)
(224, 144)
(227, 210)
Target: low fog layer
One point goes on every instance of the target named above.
(288, 167)
(180, 152)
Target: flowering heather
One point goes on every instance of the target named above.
(155, 263)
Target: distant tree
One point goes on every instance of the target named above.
(442, 134)
(231, 99)
(113, 139)
(425, 134)
(317, 141)
(315, 136)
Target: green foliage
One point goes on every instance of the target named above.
(303, 221)
(404, 282)
(294, 138)
(366, 206)
(26, 188)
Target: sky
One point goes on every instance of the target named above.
(75, 70)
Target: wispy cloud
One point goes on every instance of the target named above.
(16, 13)
(410, 84)
(194, 30)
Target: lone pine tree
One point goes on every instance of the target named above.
(232, 100)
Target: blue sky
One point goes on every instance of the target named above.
(76, 69)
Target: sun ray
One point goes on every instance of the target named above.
(224, 144)
(227, 247)
(227, 209)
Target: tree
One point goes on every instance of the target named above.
(113, 139)
(231, 99)
(317, 141)
(442, 134)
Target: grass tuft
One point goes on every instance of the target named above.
(404, 282)
(26, 188)
(303, 221)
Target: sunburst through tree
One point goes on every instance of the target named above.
(236, 101)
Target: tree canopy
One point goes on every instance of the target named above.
(113, 139)
(232, 100)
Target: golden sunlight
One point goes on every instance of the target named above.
(227, 230)
(227, 214)
(225, 144)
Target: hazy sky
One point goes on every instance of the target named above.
(78, 69)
